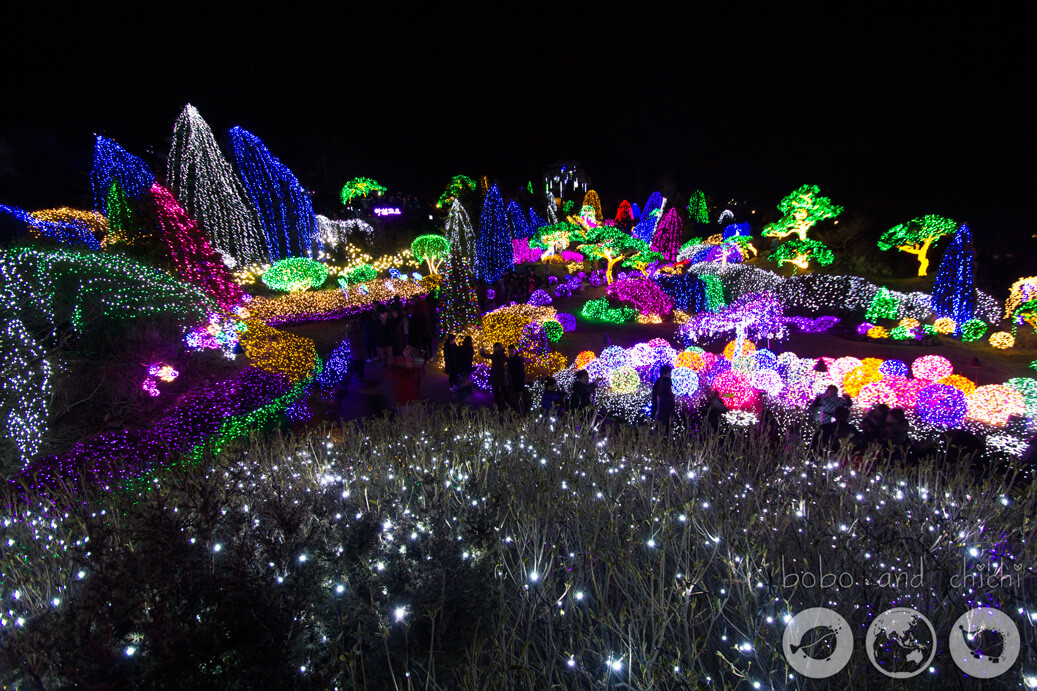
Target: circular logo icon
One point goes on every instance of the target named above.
(817, 642)
(901, 643)
(984, 642)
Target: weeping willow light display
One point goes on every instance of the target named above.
(205, 185)
(360, 187)
(917, 237)
(802, 209)
(284, 207)
(460, 234)
(334, 233)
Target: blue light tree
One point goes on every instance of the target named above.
(954, 292)
(645, 228)
(536, 221)
(284, 207)
(519, 227)
(112, 163)
(493, 249)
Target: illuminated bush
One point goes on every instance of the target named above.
(295, 274)
(362, 274)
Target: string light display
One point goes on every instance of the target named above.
(994, 404)
(592, 200)
(156, 373)
(205, 185)
(613, 246)
(1002, 340)
(802, 209)
(644, 230)
(800, 253)
(666, 239)
(601, 310)
(624, 215)
(973, 330)
(295, 274)
(325, 305)
(431, 249)
(519, 227)
(25, 386)
(942, 405)
(277, 351)
(932, 367)
(66, 226)
(536, 222)
(112, 164)
(284, 208)
(458, 185)
(698, 211)
(360, 187)
(917, 236)
(458, 301)
(883, 306)
(643, 294)
(333, 233)
(493, 248)
(954, 290)
(1022, 291)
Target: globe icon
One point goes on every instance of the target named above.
(901, 643)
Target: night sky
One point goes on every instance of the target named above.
(892, 115)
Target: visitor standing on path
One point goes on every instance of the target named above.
(464, 355)
(662, 398)
(517, 379)
(583, 391)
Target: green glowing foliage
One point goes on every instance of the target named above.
(714, 292)
(642, 260)
(361, 274)
(800, 253)
(613, 245)
(431, 249)
(459, 185)
(600, 310)
(883, 306)
(917, 236)
(567, 207)
(360, 187)
(553, 329)
(559, 236)
(802, 209)
(973, 330)
(295, 274)
(697, 208)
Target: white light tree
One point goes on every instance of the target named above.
(205, 185)
(460, 234)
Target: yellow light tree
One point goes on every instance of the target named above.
(917, 236)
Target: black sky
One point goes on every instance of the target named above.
(893, 114)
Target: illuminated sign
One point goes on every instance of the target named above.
(387, 211)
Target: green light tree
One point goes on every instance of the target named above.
(883, 306)
(917, 236)
(803, 208)
(431, 249)
(642, 260)
(801, 252)
(458, 186)
(360, 187)
(613, 246)
(697, 207)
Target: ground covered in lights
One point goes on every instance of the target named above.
(461, 549)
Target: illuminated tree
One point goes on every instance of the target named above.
(458, 186)
(954, 290)
(801, 252)
(494, 253)
(431, 249)
(624, 215)
(536, 222)
(360, 187)
(667, 237)
(591, 199)
(917, 236)
(645, 228)
(284, 207)
(697, 208)
(803, 208)
(458, 302)
(206, 186)
(643, 259)
(519, 227)
(1022, 291)
(460, 234)
(614, 246)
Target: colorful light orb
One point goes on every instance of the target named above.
(745, 364)
(490, 293)
(901, 333)
(735, 390)
(944, 325)
(895, 367)
(658, 343)
(540, 298)
(876, 392)
(685, 381)
(838, 369)
(973, 330)
(859, 377)
(941, 405)
(765, 359)
(963, 384)
(664, 354)
(553, 329)
(797, 394)
(1002, 340)
(906, 389)
(641, 355)
(615, 356)
(768, 381)
(864, 327)
(597, 370)
(748, 348)
(877, 332)
(295, 274)
(994, 404)
(164, 372)
(624, 379)
(909, 323)
(932, 367)
(584, 358)
(872, 362)
(567, 321)
(686, 359)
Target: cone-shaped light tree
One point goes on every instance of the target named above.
(460, 233)
(667, 236)
(494, 253)
(592, 199)
(698, 210)
(458, 303)
(645, 228)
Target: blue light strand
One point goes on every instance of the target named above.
(535, 220)
(649, 217)
(954, 290)
(112, 162)
(494, 253)
(519, 227)
(284, 206)
(66, 232)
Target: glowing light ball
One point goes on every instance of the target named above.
(685, 359)
(659, 343)
(685, 381)
(906, 389)
(963, 384)
(624, 379)
(877, 392)
(994, 404)
(734, 389)
(765, 359)
(553, 330)
(584, 358)
(597, 370)
(540, 298)
(872, 362)
(895, 367)
(614, 356)
(567, 321)
(797, 394)
(767, 380)
(973, 330)
(837, 369)
(941, 405)
(877, 332)
(295, 274)
(901, 333)
(944, 325)
(1002, 340)
(664, 354)
(932, 367)
(748, 348)
(641, 355)
(857, 378)
(864, 328)
(745, 364)
(909, 323)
